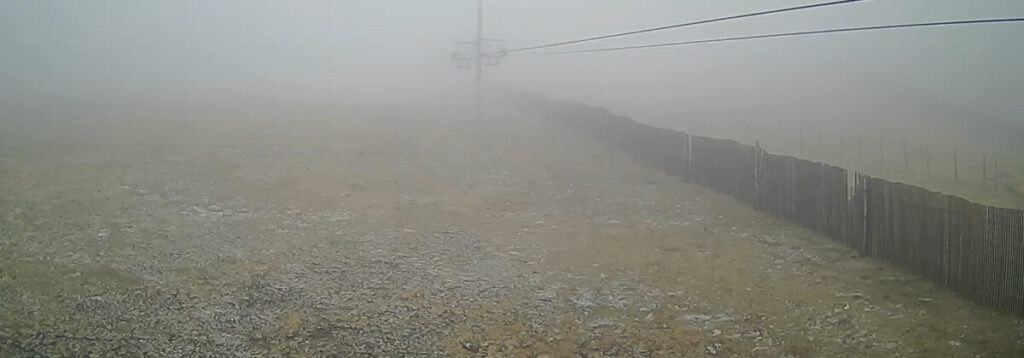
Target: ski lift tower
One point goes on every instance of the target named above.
(476, 54)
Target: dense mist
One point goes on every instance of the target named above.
(318, 178)
(170, 55)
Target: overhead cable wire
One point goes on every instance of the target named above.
(791, 34)
(667, 27)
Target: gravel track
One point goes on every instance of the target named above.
(380, 236)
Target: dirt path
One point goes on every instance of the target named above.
(382, 235)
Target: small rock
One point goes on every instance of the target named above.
(696, 318)
(468, 346)
(547, 296)
(713, 349)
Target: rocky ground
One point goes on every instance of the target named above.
(385, 234)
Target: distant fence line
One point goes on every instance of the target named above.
(976, 250)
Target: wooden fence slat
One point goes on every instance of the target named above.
(975, 250)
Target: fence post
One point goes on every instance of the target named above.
(819, 210)
(928, 160)
(864, 234)
(956, 170)
(689, 157)
(995, 173)
(792, 185)
(947, 227)
(906, 165)
(801, 138)
(757, 175)
(984, 166)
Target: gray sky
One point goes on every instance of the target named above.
(105, 52)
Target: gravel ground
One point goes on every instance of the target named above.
(386, 235)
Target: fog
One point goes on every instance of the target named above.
(314, 179)
(115, 53)
(930, 72)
